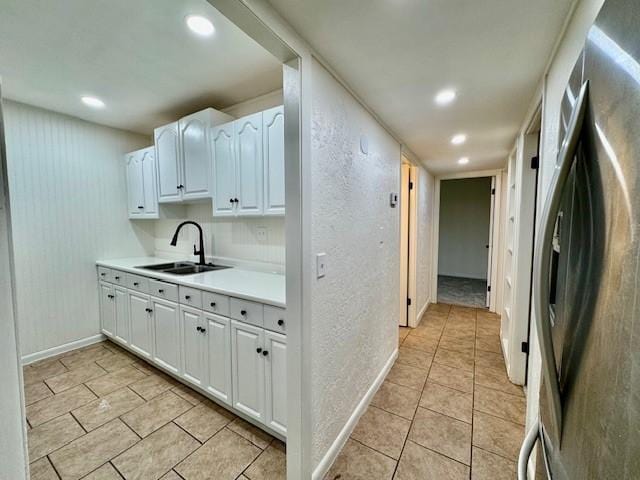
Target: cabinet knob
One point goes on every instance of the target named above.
(117, 278)
(180, 186)
(231, 200)
(135, 284)
(265, 352)
(187, 297)
(148, 310)
(243, 312)
(140, 207)
(103, 274)
(161, 290)
(203, 330)
(110, 296)
(213, 304)
(236, 200)
(259, 350)
(281, 322)
(198, 328)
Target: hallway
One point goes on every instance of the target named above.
(445, 411)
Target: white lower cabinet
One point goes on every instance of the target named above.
(276, 381)
(192, 348)
(140, 318)
(247, 369)
(107, 309)
(166, 331)
(122, 315)
(218, 351)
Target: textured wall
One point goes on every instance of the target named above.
(465, 207)
(234, 238)
(425, 190)
(68, 199)
(355, 307)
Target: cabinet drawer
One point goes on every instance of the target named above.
(119, 278)
(215, 303)
(246, 311)
(191, 297)
(136, 282)
(165, 290)
(274, 319)
(104, 274)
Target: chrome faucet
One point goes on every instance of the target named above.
(200, 252)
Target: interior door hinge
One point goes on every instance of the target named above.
(493, 191)
(535, 162)
(488, 288)
(525, 347)
(410, 185)
(408, 301)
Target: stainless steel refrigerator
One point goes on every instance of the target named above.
(587, 266)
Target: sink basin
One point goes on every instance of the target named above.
(183, 268)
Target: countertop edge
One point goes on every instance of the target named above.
(191, 284)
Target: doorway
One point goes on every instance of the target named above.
(408, 244)
(465, 241)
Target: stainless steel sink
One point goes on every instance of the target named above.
(183, 268)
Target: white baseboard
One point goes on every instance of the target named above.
(325, 464)
(423, 311)
(51, 352)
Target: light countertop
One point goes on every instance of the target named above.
(260, 287)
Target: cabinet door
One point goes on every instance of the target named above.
(135, 192)
(107, 309)
(247, 365)
(122, 315)
(140, 319)
(224, 169)
(218, 334)
(273, 149)
(275, 345)
(249, 172)
(150, 196)
(196, 169)
(166, 334)
(168, 161)
(192, 345)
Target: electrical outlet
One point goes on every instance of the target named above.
(321, 265)
(261, 234)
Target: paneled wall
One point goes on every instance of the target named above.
(68, 199)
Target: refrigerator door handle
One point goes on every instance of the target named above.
(526, 449)
(543, 253)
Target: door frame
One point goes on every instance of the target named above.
(495, 230)
(408, 245)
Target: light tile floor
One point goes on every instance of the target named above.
(446, 411)
(100, 413)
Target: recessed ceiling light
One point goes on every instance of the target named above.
(200, 25)
(444, 97)
(463, 160)
(92, 101)
(459, 139)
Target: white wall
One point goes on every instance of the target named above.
(13, 451)
(234, 239)
(355, 307)
(465, 208)
(424, 253)
(68, 198)
(556, 79)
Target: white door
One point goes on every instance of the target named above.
(140, 319)
(218, 334)
(107, 309)
(166, 332)
(224, 169)
(490, 244)
(275, 347)
(273, 149)
(195, 155)
(135, 193)
(249, 167)
(168, 161)
(247, 366)
(150, 196)
(191, 335)
(122, 314)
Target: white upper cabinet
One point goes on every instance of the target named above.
(249, 165)
(184, 156)
(168, 160)
(142, 198)
(273, 151)
(224, 168)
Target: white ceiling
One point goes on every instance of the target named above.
(397, 54)
(136, 55)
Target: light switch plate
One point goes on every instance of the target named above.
(321, 264)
